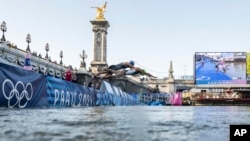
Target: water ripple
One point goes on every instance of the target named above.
(124, 123)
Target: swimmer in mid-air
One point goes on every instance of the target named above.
(122, 65)
(123, 72)
(107, 71)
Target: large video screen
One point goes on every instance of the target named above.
(220, 68)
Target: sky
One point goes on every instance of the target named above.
(150, 32)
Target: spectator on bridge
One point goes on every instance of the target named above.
(156, 89)
(69, 73)
(27, 63)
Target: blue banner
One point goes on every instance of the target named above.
(64, 93)
(21, 88)
(25, 88)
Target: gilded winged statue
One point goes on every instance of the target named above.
(100, 11)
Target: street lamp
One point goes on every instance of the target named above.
(28, 40)
(83, 56)
(4, 29)
(61, 63)
(47, 49)
(61, 56)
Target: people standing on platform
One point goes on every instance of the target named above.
(217, 67)
(225, 68)
(90, 84)
(27, 64)
(222, 62)
(156, 89)
(202, 62)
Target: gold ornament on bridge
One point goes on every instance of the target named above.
(100, 11)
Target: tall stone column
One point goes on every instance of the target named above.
(100, 28)
(170, 81)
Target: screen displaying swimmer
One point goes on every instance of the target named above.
(220, 68)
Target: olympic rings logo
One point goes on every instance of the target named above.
(15, 94)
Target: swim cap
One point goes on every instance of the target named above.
(132, 62)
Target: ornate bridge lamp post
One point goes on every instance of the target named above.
(28, 40)
(61, 56)
(61, 63)
(4, 29)
(83, 56)
(47, 49)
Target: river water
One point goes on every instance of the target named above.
(122, 123)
